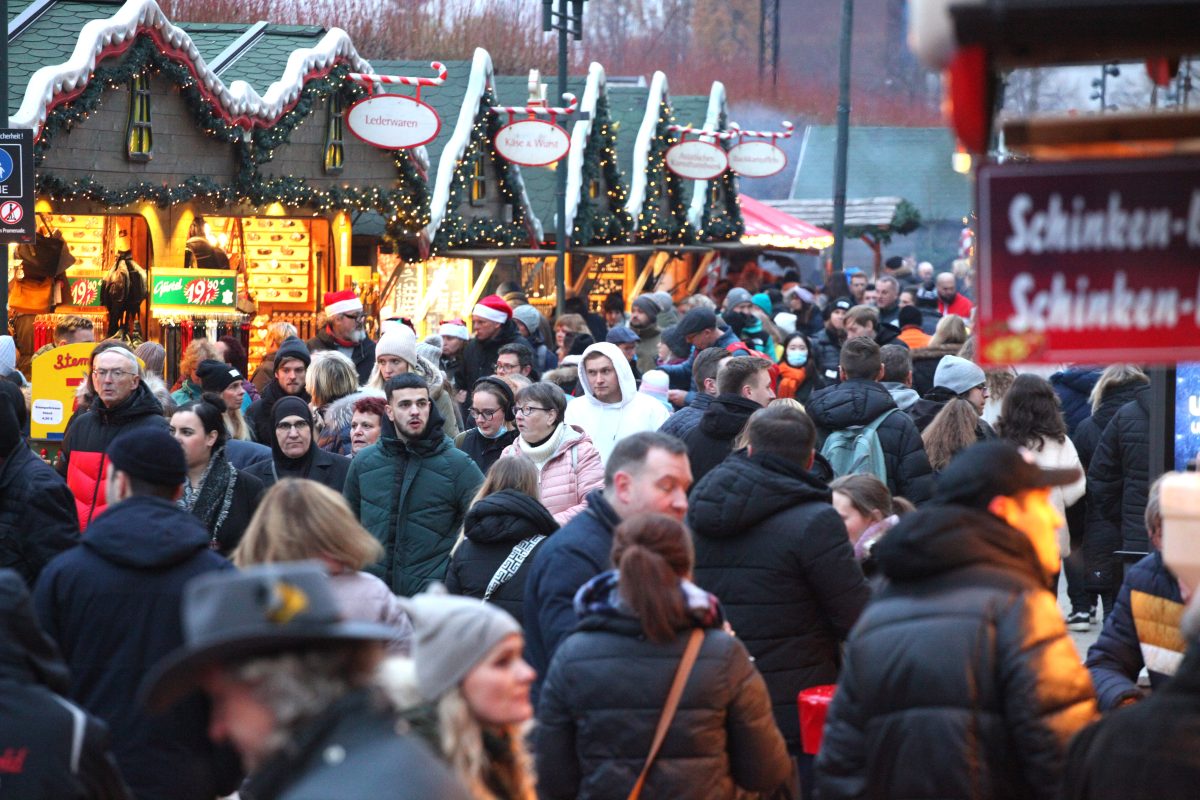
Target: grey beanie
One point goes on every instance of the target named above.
(664, 300)
(648, 305)
(958, 375)
(736, 297)
(430, 349)
(452, 634)
(529, 316)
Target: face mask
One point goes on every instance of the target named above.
(499, 432)
(796, 358)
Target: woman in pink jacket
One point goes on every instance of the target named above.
(568, 464)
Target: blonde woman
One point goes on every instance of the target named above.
(466, 690)
(948, 339)
(396, 354)
(276, 333)
(332, 385)
(300, 520)
(189, 388)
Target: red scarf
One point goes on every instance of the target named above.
(790, 379)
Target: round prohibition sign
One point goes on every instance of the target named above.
(10, 212)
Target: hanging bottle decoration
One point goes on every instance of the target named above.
(395, 121)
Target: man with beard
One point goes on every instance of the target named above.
(643, 320)
(343, 332)
(949, 300)
(291, 364)
(412, 488)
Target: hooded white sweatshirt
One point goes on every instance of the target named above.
(609, 423)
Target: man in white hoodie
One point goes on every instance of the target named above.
(611, 407)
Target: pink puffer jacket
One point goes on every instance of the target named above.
(573, 471)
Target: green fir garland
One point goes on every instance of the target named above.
(455, 231)
(602, 221)
(657, 225)
(405, 207)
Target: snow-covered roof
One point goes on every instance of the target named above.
(480, 81)
(645, 140)
(713, 121)
(582, 129)
(238, 102)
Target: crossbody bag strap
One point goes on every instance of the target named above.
(668, 713)
(512, 564)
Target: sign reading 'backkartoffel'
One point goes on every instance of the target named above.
(1090, 262)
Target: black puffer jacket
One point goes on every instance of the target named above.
(479, 357)
(601, 704)
(770, 545)
(709, 442)
(828, 344)
(53, 749)
(493, 528)
(1118, 482)
(1074, 387)
(858, 402)
(1145, 752)
(960, 680)
(258, 415)
(37, 513)
(1087, 434)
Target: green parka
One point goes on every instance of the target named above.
(412, 497)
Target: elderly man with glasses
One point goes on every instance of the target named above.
(121, 403)
(344, 332)
(412, 488)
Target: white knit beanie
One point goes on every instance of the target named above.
(400, 342)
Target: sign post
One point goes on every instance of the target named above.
(1090, 262)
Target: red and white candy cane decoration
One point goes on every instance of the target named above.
(684, 130)
(553, 112)
(370, 80)
(786, 133)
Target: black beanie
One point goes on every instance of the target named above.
(291, 347)
(291, 406)
(909, 315)
(215, 376)
(152, 456)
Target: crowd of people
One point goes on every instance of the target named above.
(592, 556)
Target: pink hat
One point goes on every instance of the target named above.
(455, 329)
(342, 302)
(493, 308)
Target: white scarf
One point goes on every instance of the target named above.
(542, 452)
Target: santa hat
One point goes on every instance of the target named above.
(493, 309)
(455, 329)
(342, 302)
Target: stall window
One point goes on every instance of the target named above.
(140, 138)
(335, 150)
(593, 189)
(478, 181)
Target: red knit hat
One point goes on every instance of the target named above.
(342, 302)
(494, 309)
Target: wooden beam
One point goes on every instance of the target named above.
(1105, 135)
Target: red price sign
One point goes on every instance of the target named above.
(83, 293)
(201, 291)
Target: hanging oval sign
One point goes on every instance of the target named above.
(532, 142)
(696, 160)
(757, 159)
(393, 121)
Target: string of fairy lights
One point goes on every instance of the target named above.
(406, 206)
(722, 219)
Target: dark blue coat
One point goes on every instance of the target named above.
(1115, 659)
(113, 605)
(688, 417)
(1118, 480)
(37, 513)
(580, 551)
(1074, 389)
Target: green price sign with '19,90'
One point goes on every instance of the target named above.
(208, 289)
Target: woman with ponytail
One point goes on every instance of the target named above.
(607, 685)
(223, 498)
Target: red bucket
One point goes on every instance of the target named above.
(814, 705)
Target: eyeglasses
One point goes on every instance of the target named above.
(105, 374)
(404, 405)
(288, 427)
(504, 369)
(525, 411)
(356, 317)
(484, 414)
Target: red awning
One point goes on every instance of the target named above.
(770, 227)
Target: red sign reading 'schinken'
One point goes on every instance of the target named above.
(1090, 262)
